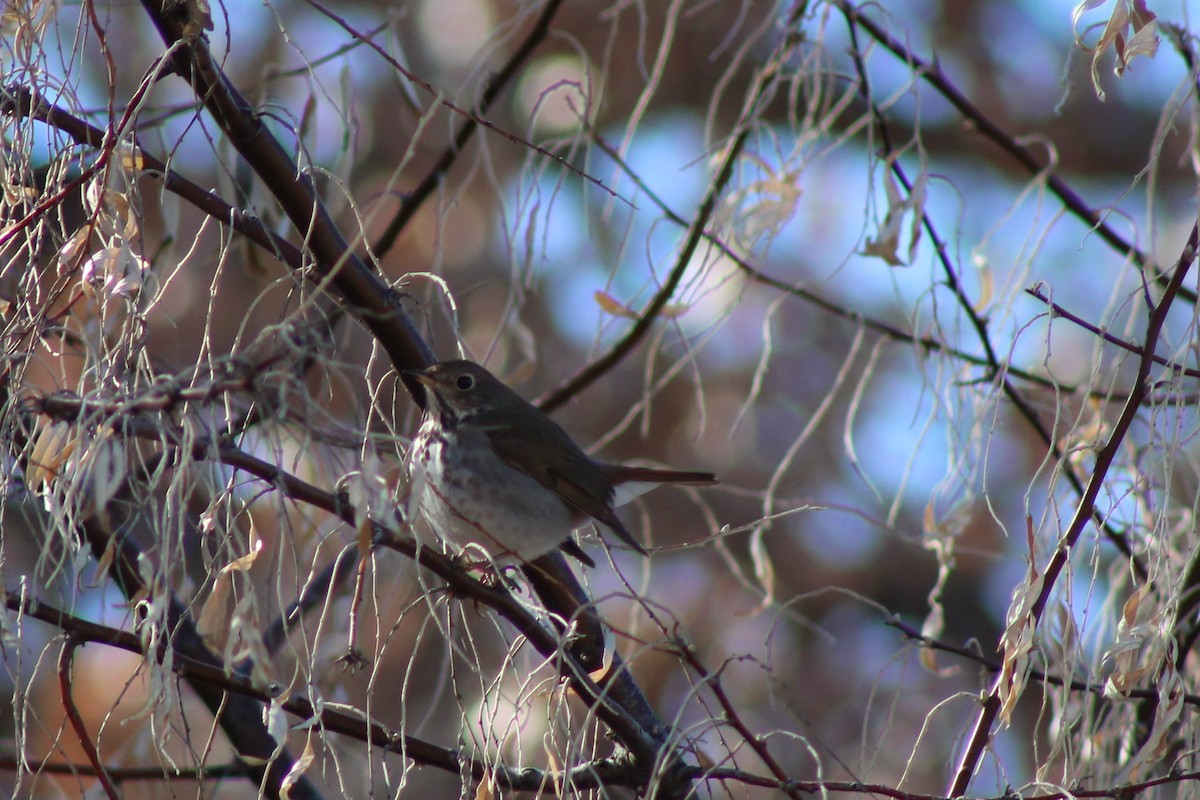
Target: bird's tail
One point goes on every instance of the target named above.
(621, 473)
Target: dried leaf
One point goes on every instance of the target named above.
(940, 538)
(54, 445)
(70, 253)
(106, 467)
(213, 622)
(610, 305)
(485, 790)
(987, 284)
(131, 157)
(886, 244)
(113, 272)
(674, 310)
(298, 769)
(1130, 31)
(277, 722)
(243, 563)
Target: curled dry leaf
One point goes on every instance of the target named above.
(106, 464)
(213, 622)
(1017, 643)
(987, 283)
(1141, 645)
(611, 305)
(54, 444)
(762, 206)
(1131, 31)
(70, 254)
(485, 790)
(1166, 730)
(886, 244)
(298, 769)
(114, 272)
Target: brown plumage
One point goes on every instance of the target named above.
(483, 452)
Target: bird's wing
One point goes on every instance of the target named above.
(576, 479)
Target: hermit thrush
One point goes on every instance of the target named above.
(489, 468)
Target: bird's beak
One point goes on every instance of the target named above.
(417, 381)
(418, 375)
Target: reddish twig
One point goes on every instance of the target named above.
(21, 101)
(65, 659)
(713, 682)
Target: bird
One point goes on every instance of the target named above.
(489, 468)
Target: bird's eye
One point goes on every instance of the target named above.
(464, 382)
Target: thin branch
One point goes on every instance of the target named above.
(241, 721)
(978, 323)
(1059, 311)
(372, 301)
(1084, 512)
(22, 101)
(311, 596)
(413, 200)
(713, 682)
(992, 665)
(926, 344)
(1120, 792)
(124, 774)
(931, 73)
(351, 723)
(768, 75)
(475, 118)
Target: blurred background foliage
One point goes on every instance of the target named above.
(853, 464)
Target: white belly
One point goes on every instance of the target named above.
(514, 518)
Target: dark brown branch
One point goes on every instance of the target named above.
(1059, 311)
(931, 73)
(21, 101)
(1085, 511)
(768, 75)
(588, 776)
(610, 772)
(65, 659)
(615, 698)
(371, 299)
(495, 86)
(638, 735)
